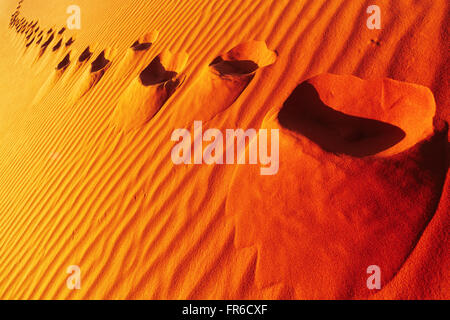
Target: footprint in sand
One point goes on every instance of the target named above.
(64, 63)
(69, 42)
(91, 76)
(58, 45)
(223, 81)
(58, 73)
(85, 55)
(145, 42)
(135, 56)
(100, 64)
(334, 131)
(53, 45)
(358, 181)
(39, 40)
(30, 42)
(374, 118)
(45, 45)
(148, 92)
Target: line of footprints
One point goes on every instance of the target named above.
(218, 86)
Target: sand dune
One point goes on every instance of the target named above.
(86, 176)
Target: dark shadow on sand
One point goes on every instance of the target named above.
(305, 113)
(155, 73)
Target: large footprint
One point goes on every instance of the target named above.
(148, 92)
(223, 81)
(360, 174)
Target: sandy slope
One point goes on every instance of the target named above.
(86, 176)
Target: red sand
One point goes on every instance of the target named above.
(86, 176)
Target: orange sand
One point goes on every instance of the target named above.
(86, 176)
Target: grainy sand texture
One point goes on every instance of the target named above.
(90, 116)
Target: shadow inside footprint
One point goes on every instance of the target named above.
(155, 73)
(69, 42)
(100, 63)
(29, 43)
(47, 43)
(64, 63)
(85, 55)
(145, 42)
(334, 131)
(141, 46)
(234, 67)
(57, 46)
